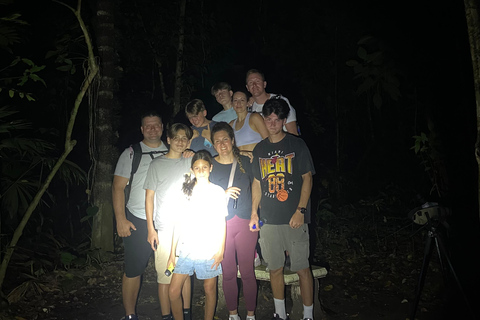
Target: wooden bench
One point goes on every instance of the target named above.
(291, 279)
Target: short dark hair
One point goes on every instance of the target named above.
(174, 128)
(150, 113)
(277, 105)
(195, 106)
(220, 86)
(251, 71)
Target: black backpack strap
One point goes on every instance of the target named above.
(137, 154)
(137, 157)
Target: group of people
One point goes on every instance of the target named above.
(202, 204)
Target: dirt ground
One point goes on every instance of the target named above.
(96, 294)
(373, 268)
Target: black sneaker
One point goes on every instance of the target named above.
(131, 317)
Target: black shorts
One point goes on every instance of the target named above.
(137, 249)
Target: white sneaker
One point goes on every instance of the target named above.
(257, 260)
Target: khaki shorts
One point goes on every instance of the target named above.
(162, 254)
(276, 239)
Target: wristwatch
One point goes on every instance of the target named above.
(302, 210)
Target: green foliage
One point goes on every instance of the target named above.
(9, 29)
(91, 212)
(421, 143)
(427, 148)
(26, 159)
(62, 52)
(66, 258)
(378, 75)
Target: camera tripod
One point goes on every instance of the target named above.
(434, 237)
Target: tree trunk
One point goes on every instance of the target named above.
(179, 67)
(471, 13)
(105, 152)
(90, 75)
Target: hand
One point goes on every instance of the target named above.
(233, 192)
(297, 220)
(218, 257)
(195, 134)
(254, 222)
(188, 153)
(248, 154)
(250, 102)
(206, 133)
(171, 260)
(124, 227)
(152, 238)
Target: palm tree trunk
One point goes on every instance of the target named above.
(179, 67)
(473, 25)
(105, 153)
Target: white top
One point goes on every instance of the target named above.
(202, 222)
(292, 115)
(136, 202)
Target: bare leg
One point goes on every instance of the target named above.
(305, 279)
(130, 288)
(175, 294)
(187, 293)
(210, 287)
(164, 299)
(277, 283)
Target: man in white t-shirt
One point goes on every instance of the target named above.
(130, 213)
(256, 84)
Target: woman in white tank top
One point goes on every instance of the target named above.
(249, 127)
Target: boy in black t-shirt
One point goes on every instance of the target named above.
(283, 170)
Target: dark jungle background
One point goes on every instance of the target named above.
(383, 93)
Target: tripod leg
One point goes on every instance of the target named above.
(442, 254)
(421, 280)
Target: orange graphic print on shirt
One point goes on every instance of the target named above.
(275, 171)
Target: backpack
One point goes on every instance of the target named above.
(137, 154)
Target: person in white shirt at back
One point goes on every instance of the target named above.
(256, 84)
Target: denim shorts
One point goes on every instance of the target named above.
(202, 268)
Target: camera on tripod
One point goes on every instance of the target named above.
(429, 211)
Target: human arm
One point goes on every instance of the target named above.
(258, 125)
(218, 256)
(248, 154)
(188, 153)
(118, 198)
(152, 237)
(292, 127)
(195, 134)
(256, 196)
(206, 133)
(233, 192)
(250, 102)
(173, 249)
(298, 218)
